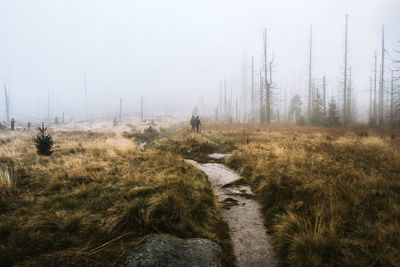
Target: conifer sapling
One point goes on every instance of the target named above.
(43, 142)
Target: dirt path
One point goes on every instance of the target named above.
(251, 244)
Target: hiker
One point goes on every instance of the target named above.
(192, 122)
(197, 124)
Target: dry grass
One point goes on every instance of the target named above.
(189, 144)
(96, 197)
(331, 197)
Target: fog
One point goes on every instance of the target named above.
(176, 53)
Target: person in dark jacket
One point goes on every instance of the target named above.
(197, 123)
(192, 122)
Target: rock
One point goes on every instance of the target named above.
(163, 250)
(219, 155)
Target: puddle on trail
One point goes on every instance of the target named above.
(219, 155)
(141, 145)
(251, 244)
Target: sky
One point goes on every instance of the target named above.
(176, 52)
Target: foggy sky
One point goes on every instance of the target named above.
(175, 52)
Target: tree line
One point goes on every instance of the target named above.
(384, 93)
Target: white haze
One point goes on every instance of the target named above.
(176, 52)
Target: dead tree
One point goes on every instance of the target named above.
(243, 92)
(12, 124)
(391, 115)
(237, 111)
(370, 101)
(48, 105)
(261, 99)
(225, 101)
(85, 88)
(230, 104)
(267, 84)
(7, 102)
(381, 83)
(349, 105)
(220, 99)
(375, 111)
(310, 93)
(270, 73)
(120, 109)
(252, 92)
(324, 93)
(396, 88)
(141, 108)
(345, 93)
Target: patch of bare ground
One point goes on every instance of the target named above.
(251, 244)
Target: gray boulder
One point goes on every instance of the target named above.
(163, 250)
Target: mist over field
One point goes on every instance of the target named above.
(176, 53)
(199, 133)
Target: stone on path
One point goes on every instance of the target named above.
(163, 250)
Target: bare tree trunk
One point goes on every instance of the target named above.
(349, 107)
(391, 102)
(375, 116)
(270, 92)
(48, 105)
(370, 100)
(7, 102)
(270, 73)
(345, 115)
(141, 108)
(244, 92)
(220, 100)
(262, 110)
(120, 109)
(310, 97)
(230, 103)
(252, 91)
(324, 93)
(313, 98)
(267, 85)
(225, 101)
(85, 85)
(237, 111)
(381, 86)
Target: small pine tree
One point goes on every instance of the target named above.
(43, 142)
(317, 115)
(333, 118)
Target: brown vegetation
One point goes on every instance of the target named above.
(331, 197)
(94, 198)
(188, 144)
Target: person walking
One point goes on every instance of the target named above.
(193, 122)
(197, 124)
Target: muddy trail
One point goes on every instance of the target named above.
(251, 244)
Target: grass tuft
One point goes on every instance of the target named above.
(95, 198)
(330, 196)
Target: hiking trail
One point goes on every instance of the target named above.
(251, 244)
